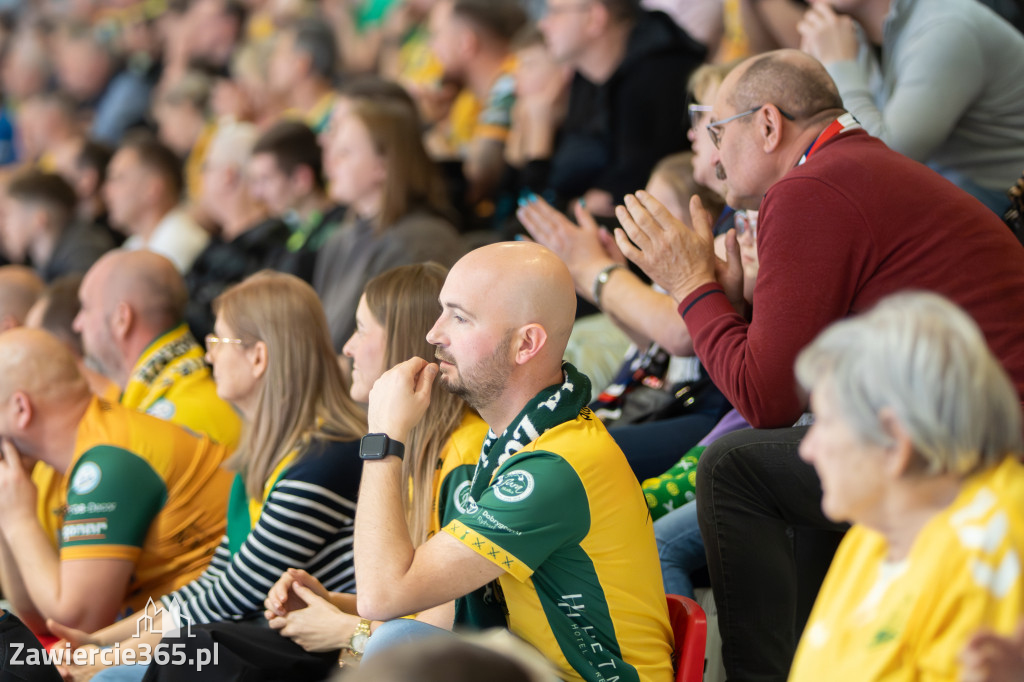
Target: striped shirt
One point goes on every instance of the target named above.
(306, 523)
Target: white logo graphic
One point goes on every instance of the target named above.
(86, 478)
(162, 409)
(463, 502)
(513, 486)
(161, 621)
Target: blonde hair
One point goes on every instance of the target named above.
(303, 396)
(405, 301)
(676, 171)
(413, 180)
(708, 76)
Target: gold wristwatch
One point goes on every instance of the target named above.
(353, 651)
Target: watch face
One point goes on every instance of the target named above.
(358, 643)
(372, 446)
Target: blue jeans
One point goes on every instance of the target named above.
(400, 631)
(680, 548)
(122, 673)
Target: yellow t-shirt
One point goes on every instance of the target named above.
(877, 620)
(171, 381)
(146, 491)
(460, 452)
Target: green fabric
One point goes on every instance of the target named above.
(675, 487)
(239, 525)
(549, 408)
(113, 497)
(372, 12)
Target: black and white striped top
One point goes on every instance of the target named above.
(307, 523)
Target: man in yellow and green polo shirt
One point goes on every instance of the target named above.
(130, 322)
(145, 501)
(550, 520)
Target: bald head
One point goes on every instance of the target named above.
(524, 282)
(37, 364)
(19, 289)
(790, 79)
(146, 281)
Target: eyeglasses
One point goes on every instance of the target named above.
(213, 341)
(716, 134)
(696, 111)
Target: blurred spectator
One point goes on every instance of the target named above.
(152, 480)
(246, 95)
(701, 19)
(303, 68)
(40, 227)
(397, 207)
(143, 191)
(55, 311)
(942, 88)
(286, 173)
(88, 71)
(184, 124)
(83, 164)
(916, 440)
(212, 31)
(248, 241)
(19, 288)
(47, 121)
(627, 99)
(471, 39)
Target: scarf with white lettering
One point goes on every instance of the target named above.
(554, 405)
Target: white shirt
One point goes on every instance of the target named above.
(177, 237)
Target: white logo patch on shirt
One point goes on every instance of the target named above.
(463, 502)
(514, 486)
(162, 409)
(86, 478)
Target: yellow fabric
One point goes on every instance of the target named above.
(620, 546)
(196, 159)
(318, 117)
(875, 620)
(172, 377)
(417, 64)
(184, 534)
(462, 449)
(256, 506)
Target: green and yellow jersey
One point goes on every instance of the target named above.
(146, 491)
(566, 520)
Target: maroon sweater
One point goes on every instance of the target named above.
(855, 223)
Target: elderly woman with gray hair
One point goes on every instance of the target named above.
(916, 437)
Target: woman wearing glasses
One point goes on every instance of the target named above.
(293, 501)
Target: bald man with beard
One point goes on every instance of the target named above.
(551, 518)
(144, 500)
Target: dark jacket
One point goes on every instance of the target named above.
(615, 132)
(222, 264)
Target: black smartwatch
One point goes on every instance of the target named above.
(379, 446)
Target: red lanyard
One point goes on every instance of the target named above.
(840, 125)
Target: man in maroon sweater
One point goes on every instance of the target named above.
(843, 222)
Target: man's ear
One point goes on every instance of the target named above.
(21, 410)
(769, 122)
(122, 320)
(901, 458)
(532, 338)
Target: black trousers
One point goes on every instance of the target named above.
(246, 652)
(16, 643)
(768, 546)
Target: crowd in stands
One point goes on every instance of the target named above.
(335, 332)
